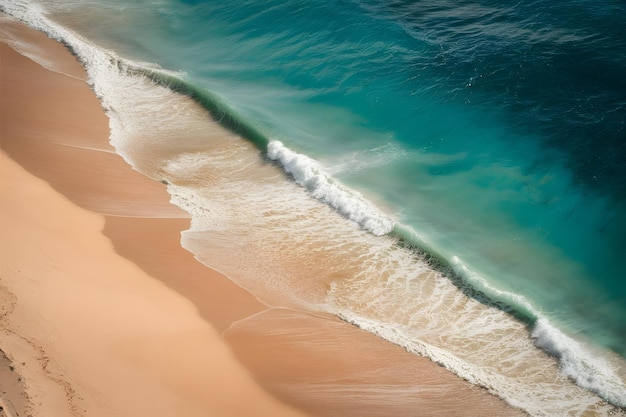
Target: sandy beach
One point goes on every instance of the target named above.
(102, 312)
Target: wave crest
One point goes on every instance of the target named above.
(307, 173)
(578, 363)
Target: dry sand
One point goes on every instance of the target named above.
(103, 313)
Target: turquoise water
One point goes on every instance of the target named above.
(491, 132)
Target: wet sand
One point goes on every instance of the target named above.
(103, 312)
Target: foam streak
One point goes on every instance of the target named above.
(307, 173)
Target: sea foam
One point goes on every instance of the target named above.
(590, 371)
(576, 361)
(307, 173)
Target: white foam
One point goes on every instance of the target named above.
(427, 314)
(307, 173)
(538, 399)
(97, 62)
(577, 362)
(109, 75)
(590, 371)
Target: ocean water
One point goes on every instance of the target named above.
(446, 174)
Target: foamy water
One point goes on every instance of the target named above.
(315, 244)
(309, 174)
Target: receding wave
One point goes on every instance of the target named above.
(389, 290)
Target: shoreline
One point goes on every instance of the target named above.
(76, 354)
(134, 215)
